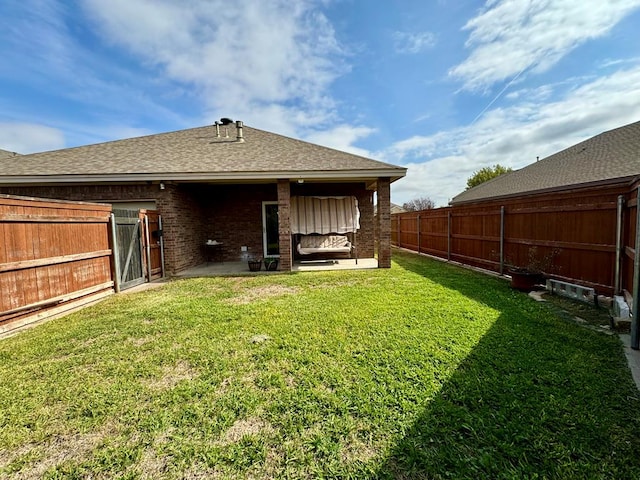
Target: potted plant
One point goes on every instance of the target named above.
(525, 278)
(271, 263)
(255, 264)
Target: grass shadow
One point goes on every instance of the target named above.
(538, 397)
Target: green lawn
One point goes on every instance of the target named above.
(421, 371)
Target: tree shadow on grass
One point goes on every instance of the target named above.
(537, 397)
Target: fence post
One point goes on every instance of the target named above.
(616, 287)
(398, 228)
(116, 254)
(635, 326)
(419, 239)
(449, 235)
(502, 240)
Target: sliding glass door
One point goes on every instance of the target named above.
(270, 235)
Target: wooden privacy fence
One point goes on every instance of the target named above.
(54, 256)
(581, 236)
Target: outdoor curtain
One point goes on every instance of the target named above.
(324, 215)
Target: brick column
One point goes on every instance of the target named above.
(365, 238)
(384, 223)
(284, 224)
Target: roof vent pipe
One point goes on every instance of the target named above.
(217, 129)
(240, 136)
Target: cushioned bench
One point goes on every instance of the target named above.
(310, 244)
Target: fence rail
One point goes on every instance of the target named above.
(583, 236)
(54, 256)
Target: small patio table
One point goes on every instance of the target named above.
(213, 252)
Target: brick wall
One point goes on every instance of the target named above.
(182, 218)
(384, 223)
(184, 227)
(234, 216)
(194, 213)
(284, 224)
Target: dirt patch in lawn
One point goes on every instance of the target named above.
(201, 472)
(261, 293)
(245, 382)
(140, 341)
(355, 450)
(172, 375)
(247, 426)
(152, 466)
(89, 342)
(38, 458)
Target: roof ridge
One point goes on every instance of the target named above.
(117, 140)
(195, 153)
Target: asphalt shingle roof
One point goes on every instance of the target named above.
(6, 154)
(611, 155)
(195, 150)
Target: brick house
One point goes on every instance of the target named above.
(215, 182)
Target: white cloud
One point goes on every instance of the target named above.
(270, 64)
(407, 42)
(440, 164)
(267, 63)
(619, 62)
(29, 138)
(42, 50)
(436, 179)
(511, 36)
(342, 138)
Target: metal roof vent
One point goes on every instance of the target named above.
(239, 134)
(225, 121)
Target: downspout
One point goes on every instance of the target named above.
(635, 326)
(161, 244)
(616, 287)
(502, 240)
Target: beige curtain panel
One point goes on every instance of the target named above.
(324, 215)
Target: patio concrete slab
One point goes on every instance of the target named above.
(215, 269)
(345, 264)
(633, 358)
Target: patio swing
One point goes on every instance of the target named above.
(325, 226)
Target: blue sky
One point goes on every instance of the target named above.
(442, 87)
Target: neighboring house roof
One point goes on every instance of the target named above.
(606, 158)
(394, 208)
(196, 154)
(397, 208)
(7, 154)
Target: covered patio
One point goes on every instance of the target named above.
(227, 269)
(228, 191)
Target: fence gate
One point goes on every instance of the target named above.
(152, 245)
(128, 248)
